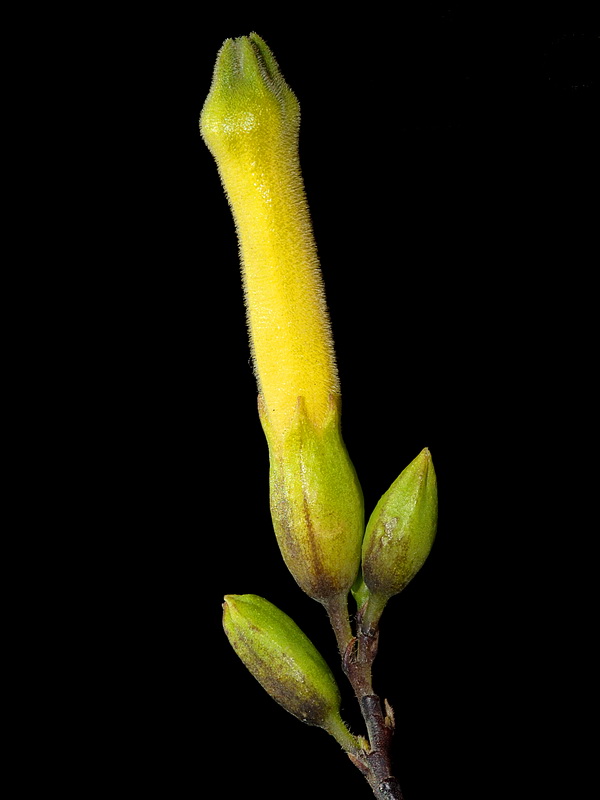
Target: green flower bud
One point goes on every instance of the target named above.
(316, 502)
(401, 530)
(286, 663)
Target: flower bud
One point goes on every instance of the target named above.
(316, 502)
(285, 662)
(401, 529)
(250, 122)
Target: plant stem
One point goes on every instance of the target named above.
(358, 653)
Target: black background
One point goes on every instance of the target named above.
(448, 157)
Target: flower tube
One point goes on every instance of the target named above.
(250, 123)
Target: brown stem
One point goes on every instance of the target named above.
(357, 654)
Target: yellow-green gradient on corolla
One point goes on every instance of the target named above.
(250, 123)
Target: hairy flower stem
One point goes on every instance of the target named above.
(357, 653)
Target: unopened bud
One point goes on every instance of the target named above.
(285, 662)
(250, 122)
(401, 529)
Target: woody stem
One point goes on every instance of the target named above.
(358, 653)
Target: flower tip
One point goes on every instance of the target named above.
(229, 605)
(424, 461)
(230, 599)
(248, 93)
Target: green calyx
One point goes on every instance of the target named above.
(316, 503)
(401, 530)
(285, 662)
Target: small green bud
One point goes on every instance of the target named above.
(316, 502)
(285, 662)
(401, 529)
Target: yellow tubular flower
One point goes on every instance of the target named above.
(250, 122)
